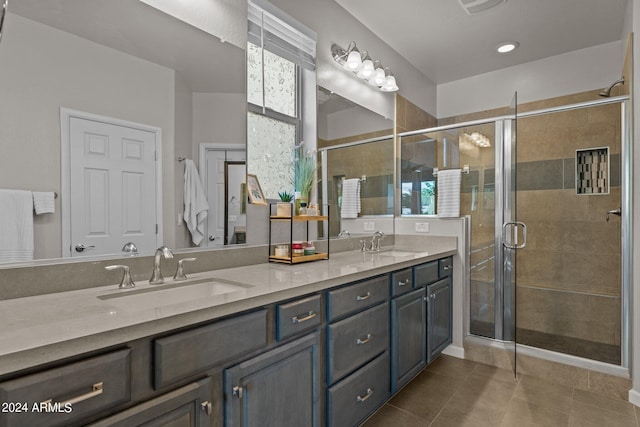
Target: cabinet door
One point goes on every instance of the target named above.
(188, 406)
(408, 343)
(278, 388)
(439, 314)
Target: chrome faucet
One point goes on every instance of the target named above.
(156, 275)
(376, 239)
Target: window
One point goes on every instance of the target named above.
(280, 63)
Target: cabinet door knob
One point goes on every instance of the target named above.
(237, 392)
(207, 407)
(405, 282)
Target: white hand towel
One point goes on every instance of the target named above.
(350, 198)
(44, 202)
(195, 202)
(449, 193)
(16, 226)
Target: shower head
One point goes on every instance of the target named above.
(607, 92)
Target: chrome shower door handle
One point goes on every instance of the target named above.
(614, 212)
(513, 242)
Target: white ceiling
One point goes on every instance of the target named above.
(445, 43)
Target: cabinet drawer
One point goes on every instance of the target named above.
(358, 395)
(187, 406)
(446, 266)
(353, 341)
(298, 316)
(426, 273)
(82, 389)
(357, 297)
(401, 281)
(186, 353)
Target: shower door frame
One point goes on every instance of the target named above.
(626, 223)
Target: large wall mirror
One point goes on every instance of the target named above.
(125, 64)
(355, 144)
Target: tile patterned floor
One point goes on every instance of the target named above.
(455, 392)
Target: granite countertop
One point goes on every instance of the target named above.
(44, 328)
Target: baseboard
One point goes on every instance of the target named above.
(454, 350)
(634, 397)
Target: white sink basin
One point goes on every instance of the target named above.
(171, 293)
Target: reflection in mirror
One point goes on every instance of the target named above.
(121, 60)
(280, 70)
(357, 150)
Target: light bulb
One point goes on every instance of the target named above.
(390, 84)
(367, 69)
(354, 61)
(378, 77)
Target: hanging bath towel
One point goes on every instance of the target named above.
(350, 198)
(195, 202)
(44, 202)
(16, 226)
(449, 193)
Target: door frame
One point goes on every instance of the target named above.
(203, 149)
(65, 164)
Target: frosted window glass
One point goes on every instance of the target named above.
(270, 151)
(254, 74)
(279, 77)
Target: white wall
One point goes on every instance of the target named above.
(578, 71)
(43, 69)
(352, 121)
(335, 25)
(219, 118)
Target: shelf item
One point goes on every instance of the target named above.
(294, 254)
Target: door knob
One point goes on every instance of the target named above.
(614, 212)
(80, 247)
(212, 238)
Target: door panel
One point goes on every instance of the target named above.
(112, 187)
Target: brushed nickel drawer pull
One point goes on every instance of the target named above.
(298, 319)
(96, 390)
(368, 338)
(363, 297)
(366, 396)
(404, 283)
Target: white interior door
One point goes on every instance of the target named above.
(112, 187)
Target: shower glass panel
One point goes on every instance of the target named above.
(569, 293)
(373, 163)
(478, 201)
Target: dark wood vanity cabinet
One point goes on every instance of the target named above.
(328, 358)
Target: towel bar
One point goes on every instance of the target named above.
(465, 169)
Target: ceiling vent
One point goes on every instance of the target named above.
(473, 7)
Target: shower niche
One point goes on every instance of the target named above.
(592, 171)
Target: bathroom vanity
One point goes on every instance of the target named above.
(318, 344)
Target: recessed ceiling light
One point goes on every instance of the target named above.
(507, 47)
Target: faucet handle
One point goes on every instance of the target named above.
(126, 281)
(180, 270)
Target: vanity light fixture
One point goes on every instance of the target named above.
(507, 47)
(365, 67)
(476, 138)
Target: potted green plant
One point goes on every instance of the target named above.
(305, 173)
(284, 207)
